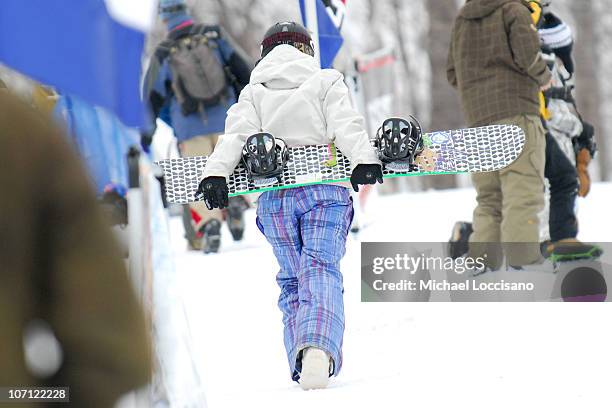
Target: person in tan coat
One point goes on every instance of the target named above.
(59, 265)
(495, 63)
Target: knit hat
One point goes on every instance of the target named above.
(172, 9)
(557, 37)
(554, 33)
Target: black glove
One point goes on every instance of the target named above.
(366, 174)
(214, 192)
(586, 140)
(563, 92)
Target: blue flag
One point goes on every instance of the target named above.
(330, 15)
(77, 47)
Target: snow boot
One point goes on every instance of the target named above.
(316, 365)
(211, 236)
(194, 244)
(458, 244)
(194, 239)
(235, 216)
(355, 225)
(570, 249)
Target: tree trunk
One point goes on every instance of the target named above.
(446, 108)
(589, 79)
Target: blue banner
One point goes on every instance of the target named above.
(330, 15)
(77, 47)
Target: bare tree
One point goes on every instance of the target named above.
(599, 64)
(446, 108)
(245, 20)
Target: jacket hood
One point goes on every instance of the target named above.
(285, 67)
(475, 9)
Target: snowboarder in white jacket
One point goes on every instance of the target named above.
(290, 97)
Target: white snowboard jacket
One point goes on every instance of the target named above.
(290, 97)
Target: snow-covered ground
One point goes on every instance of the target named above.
(396, 354)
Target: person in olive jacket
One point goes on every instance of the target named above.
(495, 63)
(59, 265)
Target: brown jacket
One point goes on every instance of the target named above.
(494, 60)
(59, 264)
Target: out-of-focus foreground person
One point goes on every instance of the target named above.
(59, 265)
(495, 63)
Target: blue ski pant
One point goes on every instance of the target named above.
(307, 228)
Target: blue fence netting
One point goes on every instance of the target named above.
(101, 139)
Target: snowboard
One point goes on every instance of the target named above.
(575, 252)
(472, 150)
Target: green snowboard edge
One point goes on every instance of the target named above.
(593, 254)
(413, 174)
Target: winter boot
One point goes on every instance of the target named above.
(316, 367)
(458, 244)
(355, 225)
(235, 216)
(194, 244)
(211, 236)
(571, 249)
(194, 239)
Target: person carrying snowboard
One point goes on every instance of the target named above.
(194, 77)
(290, 97)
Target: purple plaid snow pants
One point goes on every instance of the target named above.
(307, 228)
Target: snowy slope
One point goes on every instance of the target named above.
(396, 355)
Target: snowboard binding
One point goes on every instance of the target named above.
(398, 142)
(264, 158)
